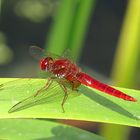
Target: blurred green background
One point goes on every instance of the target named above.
(103, 37)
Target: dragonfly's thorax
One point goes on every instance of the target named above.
(64, 68)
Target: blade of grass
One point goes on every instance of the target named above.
(127, 55)
(91, 105)
(59, 34)
(69, 27)
(14, 129)
(79, 26)
(125, 64)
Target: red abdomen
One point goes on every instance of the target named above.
(89, 81)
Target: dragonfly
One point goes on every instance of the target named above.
(66, 72)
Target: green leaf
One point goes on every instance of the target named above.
(90, 105)
(15, 129)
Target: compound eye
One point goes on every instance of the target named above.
(43, 64)
(46, 63)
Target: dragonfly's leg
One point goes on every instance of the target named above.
(47, 85)
(65, 95)
(75, 84)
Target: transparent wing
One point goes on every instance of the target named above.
(39, 53)
(17, 88)
(67, 53)
(52, 94)
(32, 100)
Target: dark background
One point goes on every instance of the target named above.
(100, 42)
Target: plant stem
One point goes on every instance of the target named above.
(125, 63)
(79, 27)
(69, 28)
(59, 34)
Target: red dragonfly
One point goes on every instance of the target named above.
(62, 70)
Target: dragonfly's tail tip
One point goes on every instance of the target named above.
(133, 99)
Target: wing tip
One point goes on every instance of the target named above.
(11, 110)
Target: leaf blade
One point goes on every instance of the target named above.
(91, 105)
(39, 129)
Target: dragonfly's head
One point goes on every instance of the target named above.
(46, 63)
